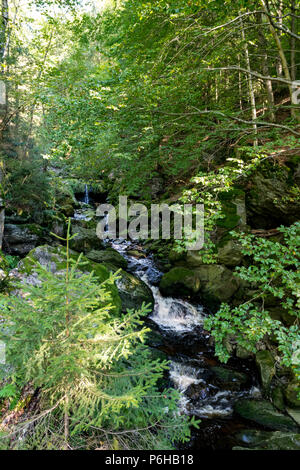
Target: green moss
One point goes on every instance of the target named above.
(179, 281)
(229, 222)
(232, 194)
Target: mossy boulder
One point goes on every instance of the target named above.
(277, 397)
(54, 259)
(266, 366)
(108, 255)
(21, 239)
(263, 412)
(214, 283)
(85, 240)
(132, 290)
(291, 393)
(266, 440)
(179, 281)
(230, 253)
(231, 379)
(270, 201)
(218, 284)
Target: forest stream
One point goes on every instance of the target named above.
(208, 389)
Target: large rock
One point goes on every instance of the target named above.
(264, 440)
(179, 281)
(218, 284)
(270, 201)
(230, 253)
(19, 240)
(231, 379)
(214, 282)
(85, 240)
(108, 256)
(264, 413)
(54, 259)
(133, 291)
(266, 367)
(291, 393)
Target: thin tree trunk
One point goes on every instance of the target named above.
(240, 85)
(3, 107)
(250, 82)
(35, 101)
(266, 72)
(294, 112)
(293, 42)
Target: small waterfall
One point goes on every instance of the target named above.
(180, 322)
(86, 195)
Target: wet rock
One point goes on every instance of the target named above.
(229, 253)
(108, 255)
(19, 240)
(278, 398)
(266, 366)
(154, 276)
(295, 414)
(218, 284)
(85, 240)
(179, 281)
(264, 413)
(198, 391)
(136, 253)
(230, 378)
(132, 290)
(291, 393)
(263, 440)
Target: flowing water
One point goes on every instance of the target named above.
(194, 370)
(193, 365)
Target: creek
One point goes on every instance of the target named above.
(208, 388)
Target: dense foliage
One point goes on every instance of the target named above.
(98, 381)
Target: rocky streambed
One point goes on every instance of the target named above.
(227, 398)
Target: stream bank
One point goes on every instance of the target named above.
(227, 399)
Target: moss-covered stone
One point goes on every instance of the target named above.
(133, 291)
(233, 380)
(291, 393)
(179, 281)
(278, 398)
(266, 366)
(270, 200)
(264, 413)
(85, 240)
(264, 440)
(21, 239)
(218, 284)
(108, 255)
(230, 253)
(136, 253)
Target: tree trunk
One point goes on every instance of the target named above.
(266, 72)
(293, 42)
(294, 112)
(250, 82)
(3, 108)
